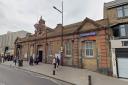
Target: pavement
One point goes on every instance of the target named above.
(69, 74)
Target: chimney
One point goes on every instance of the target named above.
(59, 26)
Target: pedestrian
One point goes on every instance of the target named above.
(58, 61)
(31, 61)
(54, 62)
(15, 60)
(36, 60)
(2, 59)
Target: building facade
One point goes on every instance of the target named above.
(7, 40)
(117, 14)
(100, 45)
(84, 44)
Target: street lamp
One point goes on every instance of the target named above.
(61, 11)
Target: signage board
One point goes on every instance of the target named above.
(88, 34)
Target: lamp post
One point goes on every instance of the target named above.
(46, 46)
(61, 11)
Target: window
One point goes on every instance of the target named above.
(121, 31)
(126, 10)
(124, 43)
(116, 31)
(122, 11)
(89, 48)
(68, 48)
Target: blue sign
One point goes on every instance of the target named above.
(88, 34)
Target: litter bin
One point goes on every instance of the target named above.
(20, 62)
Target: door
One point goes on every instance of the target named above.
(122, 62)
(40, 55)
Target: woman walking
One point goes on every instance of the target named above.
(54, 62)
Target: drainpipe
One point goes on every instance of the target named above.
(97, 56)
(109, 46)
(46, 44)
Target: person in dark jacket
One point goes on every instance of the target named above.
(15, 60)
(58, 61)
(31, 61)
(36, 60)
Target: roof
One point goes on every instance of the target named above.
(81, 26)
(89, 24)
(49, 29)
(115, 3)
(68, 29)
(72, 28)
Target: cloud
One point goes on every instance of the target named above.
(18, 15)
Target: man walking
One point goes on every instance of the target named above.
(58, 61)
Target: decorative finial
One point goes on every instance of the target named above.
(40, 17)
(41, 20)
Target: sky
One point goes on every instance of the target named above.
(16, 15)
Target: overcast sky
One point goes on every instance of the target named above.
(18, 15)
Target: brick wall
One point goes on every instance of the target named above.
(104, 63)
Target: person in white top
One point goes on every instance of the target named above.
(54, 62)
(2, 59)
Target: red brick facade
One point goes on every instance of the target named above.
(49, 44)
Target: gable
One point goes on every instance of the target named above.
(88, 26)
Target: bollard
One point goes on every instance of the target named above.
(89, 80)
(53, 72)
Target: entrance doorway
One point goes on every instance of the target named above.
(40, 55)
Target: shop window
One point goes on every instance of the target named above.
(68, 48)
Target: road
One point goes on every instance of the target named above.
(12, 76)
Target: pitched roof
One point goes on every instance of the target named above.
(68, 29)
(87, 20)
(72, 28)
(75, 27)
